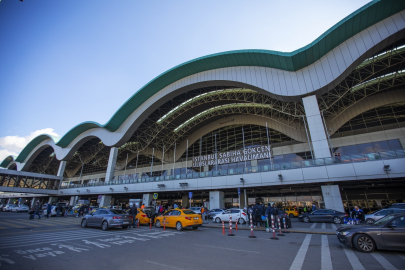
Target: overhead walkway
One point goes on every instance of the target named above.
(27, 182)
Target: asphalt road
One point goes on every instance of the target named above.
(68, 246)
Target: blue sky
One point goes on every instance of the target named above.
(66, 62)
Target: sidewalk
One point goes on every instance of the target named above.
(296, 228)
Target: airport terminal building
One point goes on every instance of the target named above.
(324, 124)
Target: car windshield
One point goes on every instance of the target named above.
(383, 220)
(188, 212)
(117, 212)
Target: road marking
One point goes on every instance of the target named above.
(401, 256)
(334, 226)
(228, 248)
(326, 261)
(313, 225)
(323, 226)
(299, 258)
(12, 225)
(24, 223)
(354, 261)
(164, 265)
(383, 261)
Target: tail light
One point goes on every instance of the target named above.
(244, 214)
(117, 217)
(144, 215)
(346, 215)
(188, 218)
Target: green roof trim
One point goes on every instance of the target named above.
(356, 22)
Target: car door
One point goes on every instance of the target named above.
(100, 217)
(317, 215)
(235, 214)
(394, 233)
(169, 218)
(91, 218)
(175, 217)
(226, 215)
(328, 215)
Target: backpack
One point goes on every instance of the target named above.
(257, 211)
(161, 209)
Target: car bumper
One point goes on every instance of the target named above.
(192, 226)
(119, 223)
(345, 239)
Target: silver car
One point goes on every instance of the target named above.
(373, 217)
(107, 218)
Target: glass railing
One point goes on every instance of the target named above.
(255, 169)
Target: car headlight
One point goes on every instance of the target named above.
(300, 216)
(345, 233)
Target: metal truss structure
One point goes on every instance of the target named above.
(28, 182)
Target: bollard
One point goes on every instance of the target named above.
(251, 228)
(236, 225)
(138, 222)
(279, 227)
(150, 223)
(272, 227)
(285, 226)
(223, 227)
(267, 225)
(164, 224)
(230, 227)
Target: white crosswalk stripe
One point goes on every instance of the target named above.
(326, 260)
(354, 261)
(334, 226)
(323, 226)
(383, 261)
(300, 257)
(313, 225)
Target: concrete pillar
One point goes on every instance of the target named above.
(73, 200)
(105, 200)
(316, 128)
(217, 199)
(61, 169)
(147, 198)
(34, 200)
(111, 164)
(332, 197)
(52, 199)
(185, 201)
(242, 199)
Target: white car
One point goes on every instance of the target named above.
(373, 217)
(196, 209)
(20, 208)
(8, 207)
(236, 214)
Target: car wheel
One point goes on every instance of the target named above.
(104, 226)
(157, 224)
(306, 219)
(218, 220)
(84, 223)
(291, 215)
(337, 220)
(179, 227)
(364, 243)
(136, 222)
(370, 221)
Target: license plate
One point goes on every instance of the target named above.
(196, 218)
(125, 222)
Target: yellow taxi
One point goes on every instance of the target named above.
(142, 217)
(179, 219)
(291, 211)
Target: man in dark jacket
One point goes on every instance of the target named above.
(133, 211)
(257, 211)
(48, 210)
(358, 214)
(274, 212)
(37, 209)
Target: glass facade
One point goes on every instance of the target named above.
(365, 148)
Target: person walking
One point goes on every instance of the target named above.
(133, 211)
(48, 210)
(268, 214)
(37, 210)
(58, 209)
(257, 211)
(81, 211)
(358, 214)
(313, 207)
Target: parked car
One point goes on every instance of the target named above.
(20, 208)
(238, 215)
(142, 217)
(386, 233)
(291, 211)
(8, 207)
(179, 219)
(323, 215)
(212, 213)
(373, 217)
(106, 219)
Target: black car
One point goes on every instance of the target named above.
(386, 233)
(323, 215)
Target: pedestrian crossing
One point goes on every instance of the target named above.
(332, 257)
(6, 224)
(325, 226)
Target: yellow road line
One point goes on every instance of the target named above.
(27, 223)
(12, 225)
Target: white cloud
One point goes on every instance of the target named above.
(12, 145)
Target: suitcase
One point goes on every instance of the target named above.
(31, 216)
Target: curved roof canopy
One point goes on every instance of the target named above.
(366, 16)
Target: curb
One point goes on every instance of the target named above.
(291, 231)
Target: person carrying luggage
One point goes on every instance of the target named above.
(37, 210)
